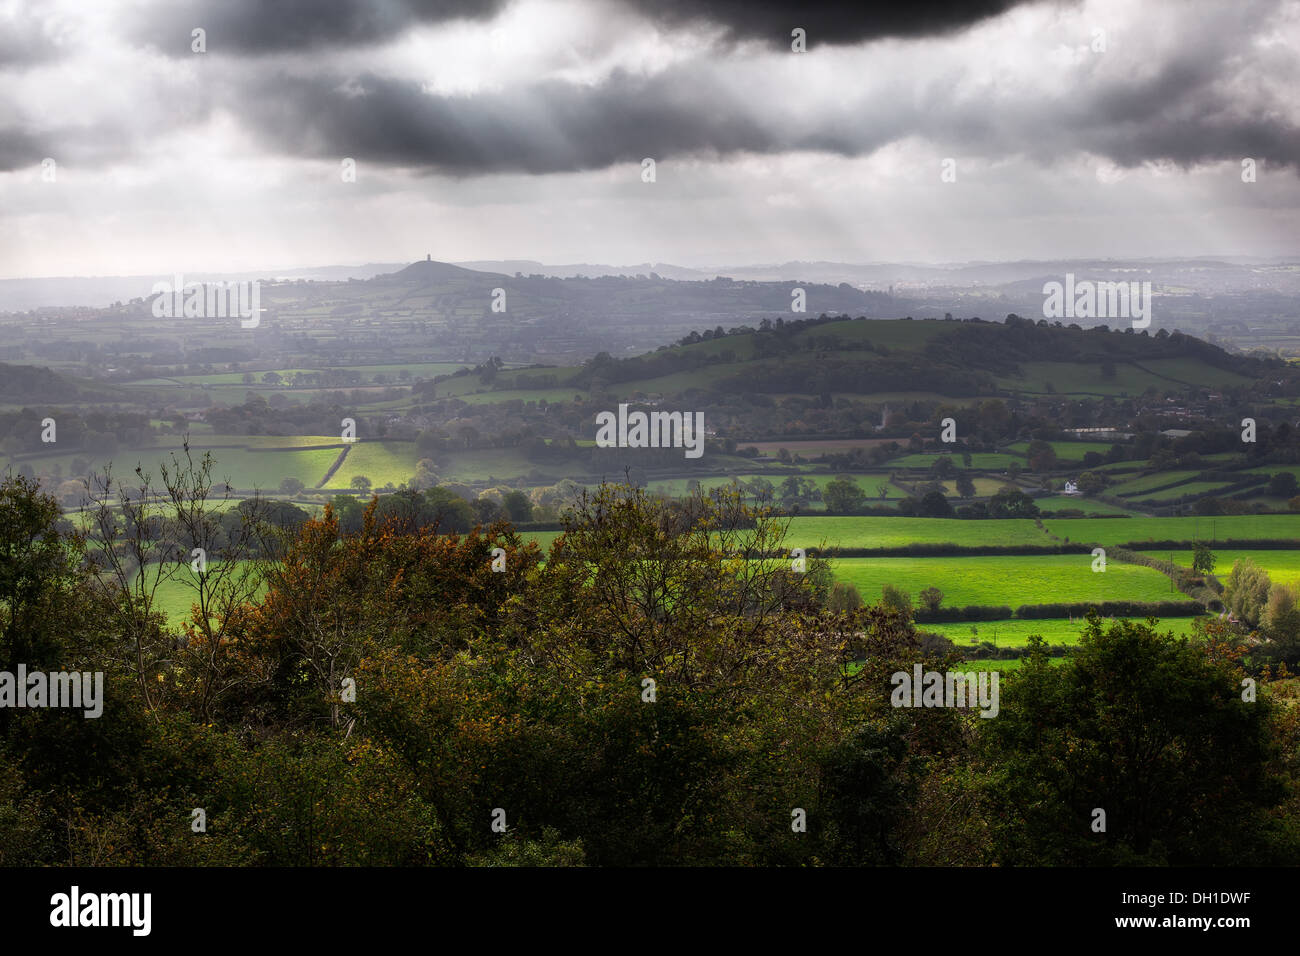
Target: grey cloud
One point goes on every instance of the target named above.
(832, 22)
(1179, 114)
(19, 150)
(271, 26)
(24, 40)
(552, 127)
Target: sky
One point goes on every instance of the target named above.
(496, 129)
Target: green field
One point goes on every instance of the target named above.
(383, 462)
(1001, 665)
(501, 464)
(1080, 503)
(1121, 530)
(988, 461)
(1282, 566)
(1135, 486)
(1191, 488)
(1016, 633)
(175, 597)
(870, 531)
(1066, 450)
(246, 468)
(543, 538)
(1010, 580)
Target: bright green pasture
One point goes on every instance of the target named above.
(383, 462)
(1282, 566)
(176, 595)
(870, 531)
(1121, 530)
(1010, 580)
(1016, 633)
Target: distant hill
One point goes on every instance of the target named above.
(529, 267)
(546, 318)
(431, 270)
(904, 357)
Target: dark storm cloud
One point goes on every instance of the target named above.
(832, 22)
(551, 127)
(1178, 114)
(271, 26)
(1181, 114)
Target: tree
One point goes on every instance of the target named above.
(965, 486)
(39, 580)
(1041, 455)
(292, 486)
(487, 510)
(1150, 728)
(1245, 593)
(931, 598)
(1092, 483)
(843, 597)
(942, 467)
(361, 483)
(934, 505)
(867, 793)
(518, 507)
(1203, 559)
(1011, 502)
(896, 599)
(843, 496)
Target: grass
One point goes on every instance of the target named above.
(1010, 580)
(1016, 633)
(871, 531)
(175, 596)
(1282, 566)
(544, 539)
(501, 464)
(383, 462)
(1086, 505)
(1219, 528)
(996, 461)
(1191, 488)
(1066, 450)
(1135, 486)
(1000, 666)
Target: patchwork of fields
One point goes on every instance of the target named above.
(1010, 580)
